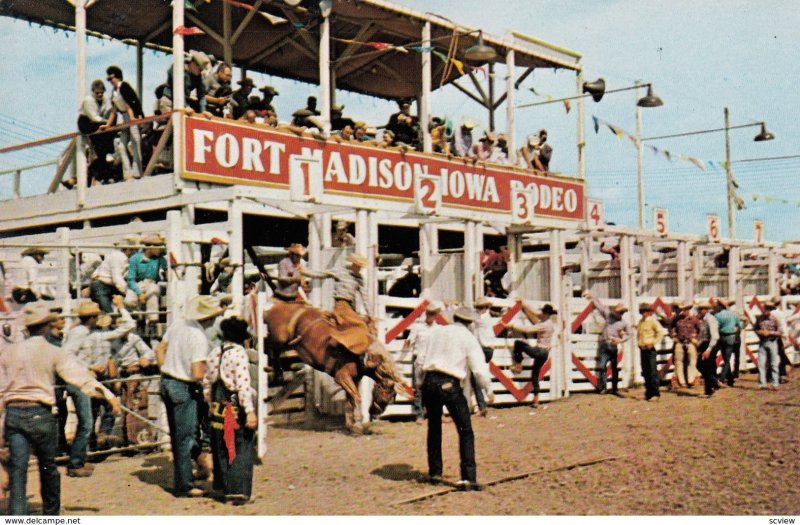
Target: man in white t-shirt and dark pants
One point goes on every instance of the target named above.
(451, 355)
(182, 357)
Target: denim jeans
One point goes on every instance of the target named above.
(440, 390)
(83, 432)
(649, 372)
(708, 367)
(180, 402)
(488, 352)
(539, 356)
(608, 354)
(102, 293)
(101, 410)
(32, 429)
(236, 477)
(768, 356)
(727, 345)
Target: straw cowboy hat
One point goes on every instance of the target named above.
(199, 58)
(645, 307)
(726, 303)
(87, 308)
(302, 113)
(704, 305)
(34, 250)
(202, 307)
(337, 108)
(685, 305)
(128, 240)
(37, 315)
(104, 321)
(433, 308)
(619, 308)
(297, 249)
(464, 313)
(357, 259)
(469, 124)
(153, 239)
(341, 225)
(482, 301)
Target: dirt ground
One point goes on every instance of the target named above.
(736, 453)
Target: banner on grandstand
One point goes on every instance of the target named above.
(229, 152)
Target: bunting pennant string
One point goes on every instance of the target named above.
(567, 106)
(188, 31)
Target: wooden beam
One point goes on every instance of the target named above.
(248, 17)
(304, 32)
(69, 154)
(158, 30)
(365, 33)
(516, 86)
(469, 93)
(162, 143)
(205, 27)
(298, 46)
(486, 100)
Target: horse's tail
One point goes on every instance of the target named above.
(385, 371)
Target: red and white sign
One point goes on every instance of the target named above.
(427, 194)
(595, 218)
(660, 223)
(712, 223)
(305, 178)
(522, 208)
(758, 229)
(231, 152)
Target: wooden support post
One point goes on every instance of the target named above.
(325, 74)
(175, 301)
(372, 269)
(470, 263)
(511, 134)
(683, 263)
(80, 40)
(645, 252)
(586, 260)
(581, 132)
(139, 68)
(425, 98)
(557, 385)
(772, 272)
(629, 299)
(428, 246)
(734, 268)
(178, 92)
(315, 229)
(263, 381)
(514, 253)
(479, 286)
(227, 49)
(236, 252)
(64, 259)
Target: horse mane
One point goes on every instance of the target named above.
(386, 370)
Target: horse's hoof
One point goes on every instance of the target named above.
(357, 430)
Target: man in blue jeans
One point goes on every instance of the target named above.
(182, 357)
(615, 332)
(729, 327)
(27, 372)
(451, 354)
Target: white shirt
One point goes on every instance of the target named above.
(94, 349)
(132, 349)
(418, 337)
(453, 350)
(113, 270)
(484, 329)
(783, 326)
(186, 344)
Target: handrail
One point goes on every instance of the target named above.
(29, 166)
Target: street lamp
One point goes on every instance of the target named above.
(762, 136)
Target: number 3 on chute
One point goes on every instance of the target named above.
(522, 206)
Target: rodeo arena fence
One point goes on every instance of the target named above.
(233, 184)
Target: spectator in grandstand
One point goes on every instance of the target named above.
(729, 326)
(125, 103)
(615, 332)
(708, 348)
(110, 277)
(685, 332)
(227, 390)
(536, 153)
(610, 249)
(483, 149)
(649, 334)
(81, 275)
(341, 237)
(785, 280)
(95, 117)
(218, 90)
(182, 356)
(338, 121)
(29, 287)
(268, 93)
(344, 135)
(360, 132)
(27, 372)
(416, 343)
(543, 328)
(240, 100)
(499, 153)
(146, 268)
(195, 63)
(451, 354)
(768, 331)
(404, 126)
(462, 140)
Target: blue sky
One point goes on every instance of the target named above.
(700, 57)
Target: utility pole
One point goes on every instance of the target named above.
(729, 177)
(639, 161)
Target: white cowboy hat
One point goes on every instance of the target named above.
(464, 313)
(37, 315)
(87, 308)
(433, 308)
(202, 307)
(128, 240)
(357, 259)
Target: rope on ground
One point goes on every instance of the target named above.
(507, 479)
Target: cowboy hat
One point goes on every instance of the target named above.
(37, 315)
(87, 309)
(533, 140)
(246, 82)
(482, 301)
(549, 310)
(704, 305)
(341, 225)
(199, 58)
(464, 313)
(645, 307)
(153, 239)
(685, 305)
(619, 308)
(433, 308)
(302, 113)
(469, 124)
(33, 250)
(297, 249)
(104, 321)
(128, 240)
(269, 90)
(489, 136)
(202, 307)
(357, 259)
(727, 303)
(337, 108)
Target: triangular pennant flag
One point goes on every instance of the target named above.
(696, 162)
(533, 91)
(441, 56)
(459, 65)
(596, 124)
(423, 49)
(755, 197)
(668, 155)
(272, 19)
(188, 31)
(724, 164)
(739, 203)
(567, 106)
(378, 45)
(711, 164)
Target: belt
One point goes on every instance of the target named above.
(731, 333)
(168, 376)
(26, 404)
(434, 373)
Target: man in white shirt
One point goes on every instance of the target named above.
(416, 342)
(29, 287)
(182, 357)
(709, 337)
(484, 331)
(452, 353)
(110, 278)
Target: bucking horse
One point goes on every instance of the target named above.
(319, 343)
